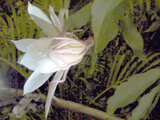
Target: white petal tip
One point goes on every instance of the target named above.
(13, 41)
(32, 9)
(24, 93)
(50, 7)
(26, 90)
(29, 3)
(29, 6)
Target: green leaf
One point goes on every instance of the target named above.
(119, 11)
(107, 33)
(80, 18)
(155, 101)
(133, 37)
(103, 26)
(129, 91)
(155, 25)
(144, 105)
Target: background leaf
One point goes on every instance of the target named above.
(102, 21)
(103, 25)
(155, 25)
(144, 105)
(133, 37)
(107, 33)
(80, 18)
(129, 91)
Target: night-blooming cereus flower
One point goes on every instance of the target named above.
(55, 53)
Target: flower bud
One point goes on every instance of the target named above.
(66, 51)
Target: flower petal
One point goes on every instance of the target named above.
(65, 61)
(64, 76)
(23, 44)
(55, 19)
(35, 81)
(41, 44)
(41, 19)
(39, 49)
(48, 29)
(28, 61)
(52, 88)
(63, 12)
(35, 11)
(37, 58)
(66, 42)
(46, 65)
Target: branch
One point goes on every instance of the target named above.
(67, 105)
(83, 109)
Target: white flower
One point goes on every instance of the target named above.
(51, 54)
(55, 53)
